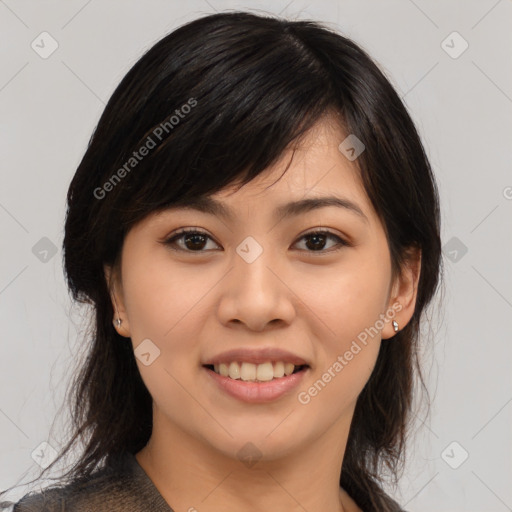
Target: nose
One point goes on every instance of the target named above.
(256, 293)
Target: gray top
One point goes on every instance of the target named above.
(124, 487)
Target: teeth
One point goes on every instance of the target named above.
(288, 368)
(234, 370)
(248, 371)
(265, 372)
(254, 372)
(279, 369)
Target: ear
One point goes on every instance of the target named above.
(402, 299)
(114, 285)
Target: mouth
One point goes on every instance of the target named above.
(257, 383)
(250, 372)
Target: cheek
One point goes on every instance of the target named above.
(159, 298)
(348, 298)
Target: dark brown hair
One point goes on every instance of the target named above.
(242, 88)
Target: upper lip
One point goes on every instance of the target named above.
(256, 356)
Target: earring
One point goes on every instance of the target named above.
(395, 325)
(118, 322)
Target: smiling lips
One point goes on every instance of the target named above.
(258, 391)
(257, 375)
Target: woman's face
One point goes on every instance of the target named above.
(257, 282)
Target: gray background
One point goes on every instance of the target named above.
(462, 106)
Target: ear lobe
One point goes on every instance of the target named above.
(116, 295)
(404, 293)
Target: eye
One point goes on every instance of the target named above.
(317, 241)
(193, 240)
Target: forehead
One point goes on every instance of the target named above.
(314, 168)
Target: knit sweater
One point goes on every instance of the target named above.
(122, 486)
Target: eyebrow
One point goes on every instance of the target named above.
(212, 206)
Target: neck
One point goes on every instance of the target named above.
(191, 475)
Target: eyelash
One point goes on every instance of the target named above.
(186, 231)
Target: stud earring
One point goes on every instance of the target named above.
(395, 325)
(118, 322)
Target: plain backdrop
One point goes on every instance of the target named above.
(450, 61)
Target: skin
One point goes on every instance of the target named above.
(194, 305)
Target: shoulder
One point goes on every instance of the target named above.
(122, 486)
(44, 501)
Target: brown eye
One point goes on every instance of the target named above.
(316, 241)
(191, 240)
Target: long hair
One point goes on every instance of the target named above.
(217, 101)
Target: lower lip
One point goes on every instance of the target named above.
(258, 392)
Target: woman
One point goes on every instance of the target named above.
(256, 226)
